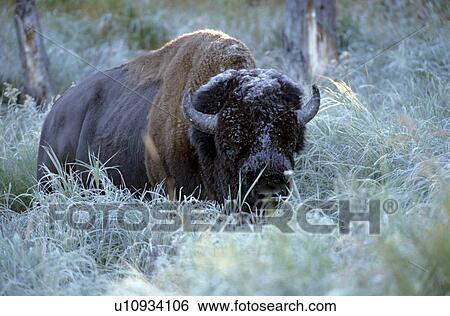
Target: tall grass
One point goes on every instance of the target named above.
(382, 132)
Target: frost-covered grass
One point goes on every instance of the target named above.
(383, 132)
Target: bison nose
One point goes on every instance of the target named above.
(269, 190)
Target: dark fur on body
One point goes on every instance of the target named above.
(101, 116)
(257, 123)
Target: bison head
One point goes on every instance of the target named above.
(245, 126)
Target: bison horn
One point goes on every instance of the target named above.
(207, 123)
(306, 113)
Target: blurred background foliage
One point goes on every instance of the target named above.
(109, 32)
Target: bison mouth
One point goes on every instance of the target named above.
(266, 193)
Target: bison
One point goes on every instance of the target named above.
(195, 113)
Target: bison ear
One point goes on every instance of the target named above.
(210, 97)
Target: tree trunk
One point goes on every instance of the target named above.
(309, 37)
(32, 52)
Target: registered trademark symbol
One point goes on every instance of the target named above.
(390, 206)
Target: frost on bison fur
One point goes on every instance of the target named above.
(195, 113)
